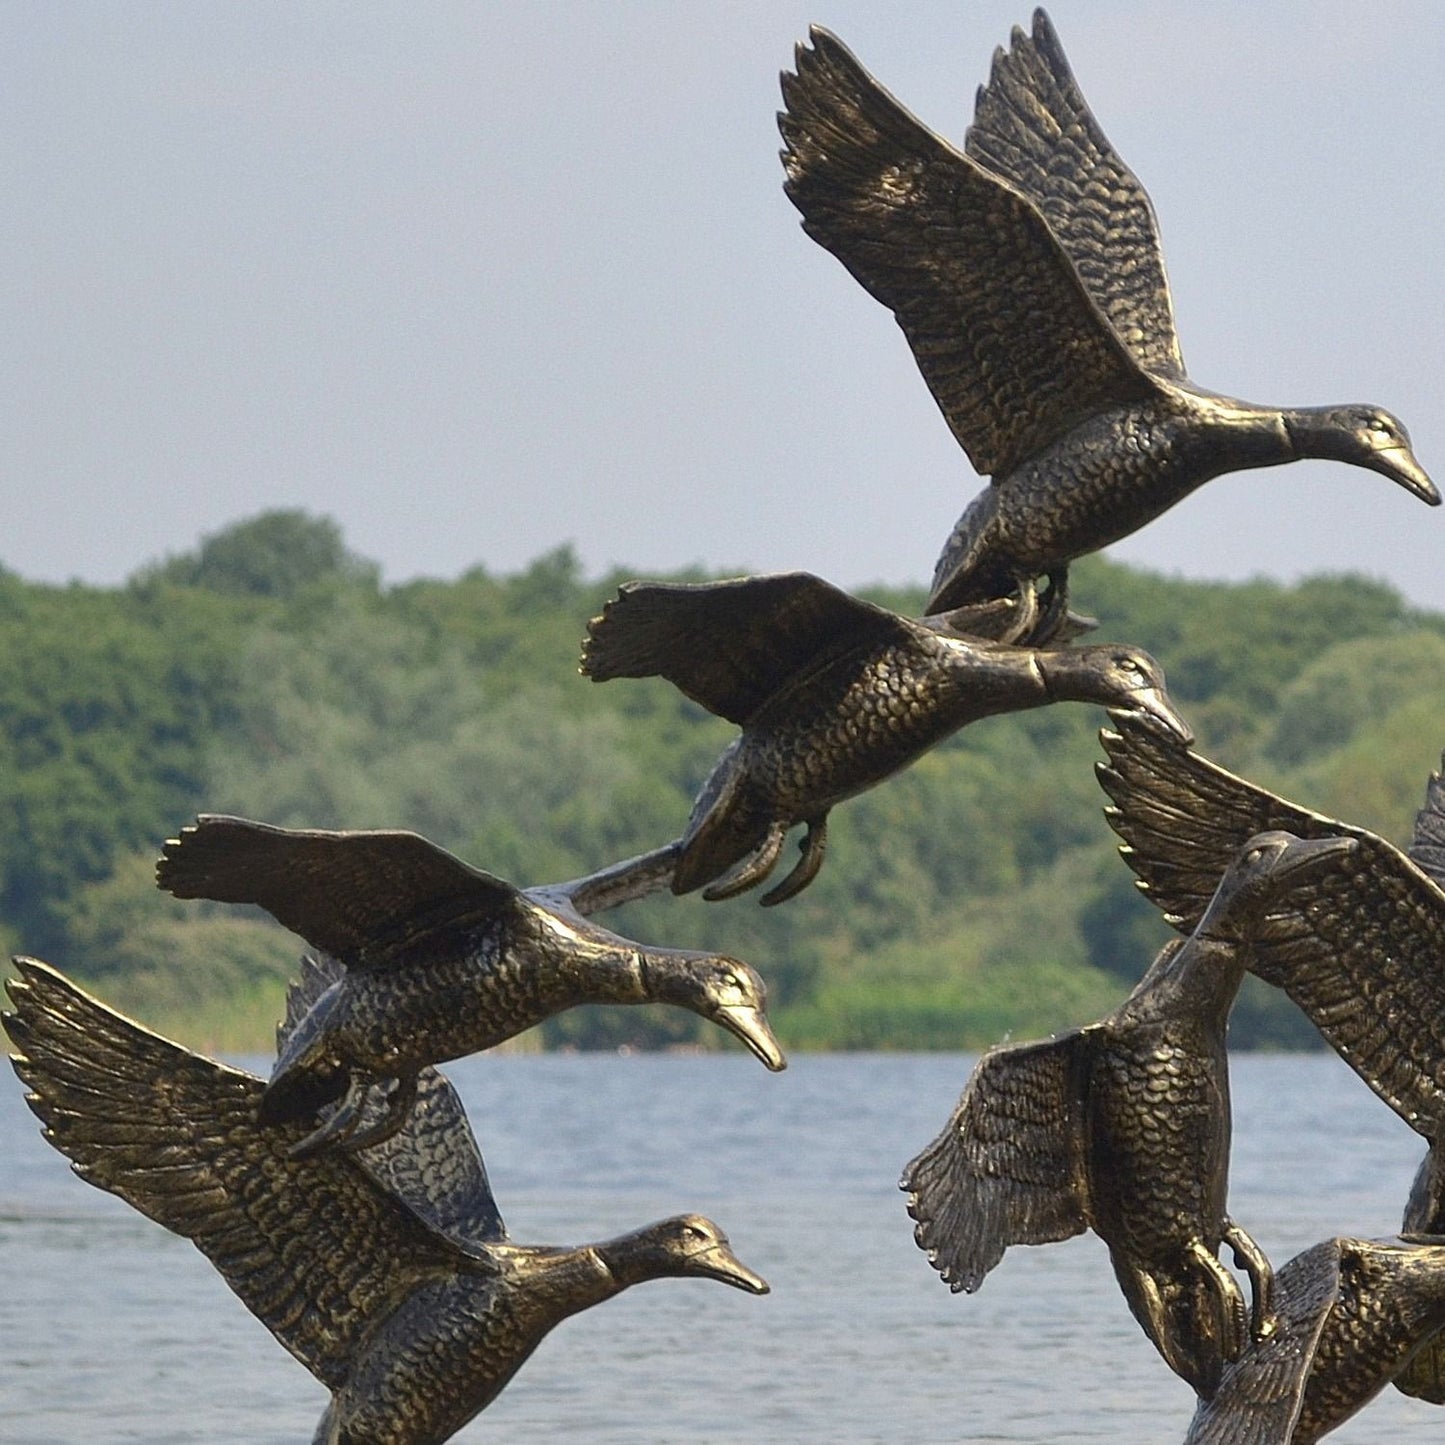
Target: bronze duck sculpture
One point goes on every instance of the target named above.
(1123, 1127)
(441, 958)
(1027, 275)
(413, 1328)
(833, 695)
(1352, 1313)
(1363, 960)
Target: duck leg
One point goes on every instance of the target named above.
(754, 869)
(341, 1123)
(1251, 1259)
(1233, 1312)
(814, 846)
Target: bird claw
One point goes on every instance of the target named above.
(346, 1129)
(753, 869)
(813, 846)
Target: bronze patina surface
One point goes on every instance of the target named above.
(441, 958)
(1362, 958)
(833, 695)
(414, 1320)
(1026, 273)
(1350, 1314)
(1123, 1127)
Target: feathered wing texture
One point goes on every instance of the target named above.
(1012, 346)
(313, 1248)
(1033, 127)
(1008, 1167)
(344, 893)
(432, 1163)
(1183, 818)
(1259, 1397)
(1358, 950)
(1427, 847)
(730, 646)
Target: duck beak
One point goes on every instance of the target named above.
(1312, 855)
(749, 1024)
(1152, 704)
(1399, 464)
(719, 1262)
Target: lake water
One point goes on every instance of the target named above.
(113, 1330)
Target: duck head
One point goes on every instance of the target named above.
(1363, 436)
(720, 989)
(1115, 677)
(1264, 868)
(685, 1245)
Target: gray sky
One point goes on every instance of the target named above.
(477, 279)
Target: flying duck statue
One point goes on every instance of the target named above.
(415, 1321)
(833, 695)
(1123, 1127)
(441, 959)
(1027, 275)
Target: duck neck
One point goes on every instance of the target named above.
(582, 963)
(1197, 979)
(1242, 435)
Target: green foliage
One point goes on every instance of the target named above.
(976, 894)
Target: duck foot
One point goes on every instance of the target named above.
(814, 846)
(753, 869)
(1251, 1259)
(1232, 1311)
(347, 1128)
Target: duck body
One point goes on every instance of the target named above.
(1352, 1315)
(833, 695)
(1103, 479)
(1123, 1127)
(386, 1270)
(1027, 275)
(440, 958)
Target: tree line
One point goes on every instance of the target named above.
(269, 673)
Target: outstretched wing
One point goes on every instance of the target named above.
(1259, 1396)
(1427, 847)
(432, 1163)
(343, 892)
(1183, 818)
(1359, 951)
(731, 645)
(1008, 1167)
(1012, 346)
(1032, 126)
(313, 1248)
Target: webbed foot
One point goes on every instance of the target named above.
(753, 869)
(814, 846)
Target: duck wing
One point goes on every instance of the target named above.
(1358, 950)
(315, 1250)
(730, 646)
(432, 1163)
(1260, 1394)
(1033, 127)
(345, 893)
(1008, 1167)
(1183, 818)
(1011, 344)
(1427, 847)
(614, 885)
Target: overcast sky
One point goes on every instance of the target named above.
(476, 279)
